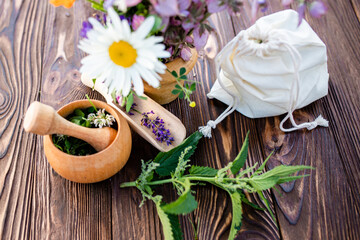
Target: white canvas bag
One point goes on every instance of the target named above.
(272, 68)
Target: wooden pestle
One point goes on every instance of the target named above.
(44, 120)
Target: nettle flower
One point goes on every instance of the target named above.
(121, 59)
(101, 119)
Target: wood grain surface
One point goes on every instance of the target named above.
(39, 60)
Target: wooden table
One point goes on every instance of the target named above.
(39, 60)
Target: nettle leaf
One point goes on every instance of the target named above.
(239, 161)
(185, 204)
(236, 214)
(169, 160)
(253, 205)
(169, 228)
(203, 171)
(182, 71)
(176, 228)
(279, 174)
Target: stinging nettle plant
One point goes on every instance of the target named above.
(174, 167)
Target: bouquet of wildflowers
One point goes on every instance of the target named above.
(133, 39)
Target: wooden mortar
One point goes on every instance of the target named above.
(96, 167)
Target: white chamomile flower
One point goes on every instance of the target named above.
(121, 58)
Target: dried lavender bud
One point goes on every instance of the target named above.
(158, 128)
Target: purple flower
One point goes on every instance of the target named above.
(301, 11)
(185, 53)
(200, 39)
(286, 3)
(214, 7)
(137, 21)
(86, 26)
(189, 39)
(131, 3)
(317, 9)
(166, 8)
(158, 128)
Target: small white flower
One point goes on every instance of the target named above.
(121, 58)
(101, 119)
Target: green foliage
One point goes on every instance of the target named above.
(71, 145)
(127, 101)
(202, 171)
(236, 213)
(186, 89)
(185, 204)
(169, 160)
(239, 161)
(175, 163)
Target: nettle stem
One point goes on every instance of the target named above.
(191, 178)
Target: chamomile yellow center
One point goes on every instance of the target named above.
(122, 54)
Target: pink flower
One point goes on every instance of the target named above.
(200, 39)
(185, 54)
(137, 21)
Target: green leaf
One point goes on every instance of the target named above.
(169, 160)
(141, 97)
(174, 73)
(129, 102)
(270, 178)
(183, 77)
(193, 87)
(182, 71)
(239, 161)
(177, 86)
(78, 112)
(267, 204)
(203, 171)
(175, 91)
(165, 221)
(176, 229)
(284, 171)
(291, 178)
(185, 204)
(236, 214)
(157, 25)
(259, 170)
(253, 205)
(181, 95)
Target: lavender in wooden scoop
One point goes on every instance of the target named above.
(42, 119)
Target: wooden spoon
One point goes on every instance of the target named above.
(44, 120)
(176, 127)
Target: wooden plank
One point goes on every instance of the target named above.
(307, 208)
(73, 211)
(20, 74)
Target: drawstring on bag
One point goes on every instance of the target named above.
(244, 46)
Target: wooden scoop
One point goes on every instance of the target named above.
(44, 120)
(176, 127)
